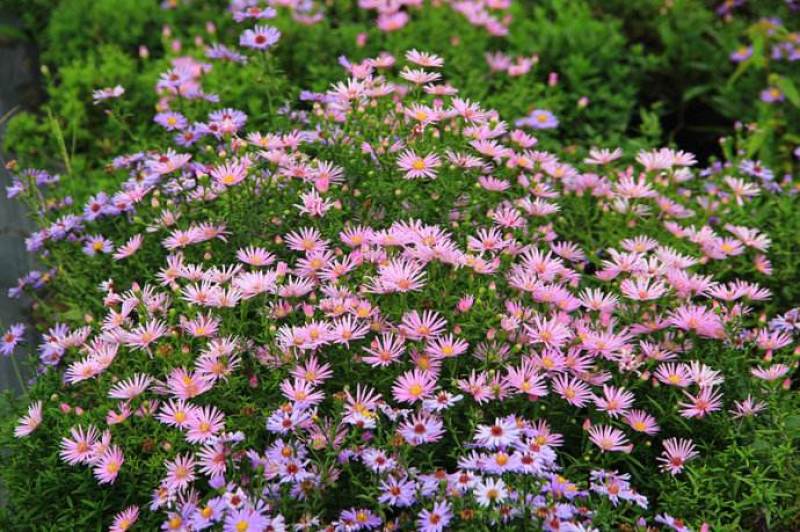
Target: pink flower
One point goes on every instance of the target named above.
(609, 439)
(675, 455)
(143, 336)
(417, 327)
(176, 413)
(698, 319)
(422, 428)
(78, 449)
(384, 350)
(413, 386)
(255, 256)
(424, 59)
(417, 166)
(615, 401)
(446, 347)
(129, 248)
(231, 173)
(573, 390)
(180, 473)
(204, 423)
(30, 422)
(705, 402)
(674, 374)
(550, 332)
(109, 465)
(186, 385)
(400, 275)
(419, 76)
(641, 421)
(772, 373)
(125, 519)
(130, 388)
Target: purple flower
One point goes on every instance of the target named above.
(107, 94)
(539, 119)
(11, 338)
(741, 54)
(772, 95)
(260, 37)
(97, 244)
(359, 519)
(756, 169)
(171, 121)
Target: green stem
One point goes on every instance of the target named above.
(18, 373)
(62, 146)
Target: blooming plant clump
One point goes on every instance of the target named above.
(391, 308)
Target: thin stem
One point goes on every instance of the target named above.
(18, 373)
(60, 138)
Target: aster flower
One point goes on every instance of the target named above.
(603, 156)
(614, 401)
(413, 386)
(108, 466)
(675, 455)
(400, 275)
(771, 373)
(416, 166)
(204, 423)
(573, 390)
(130, 388)
(101, 95)
(97, 244)
(78, 448)
(436, 519)
(180, 473)
(231, 173)
(245, 519)
(260, 37)
(125, 519)
(29, 422)
(12, 338)
(550, 332)
(490, 491)
(176, 413)
(747, 407)
(424, 59)
(398, 492)
(129, 248)
(171, 121)
(359, 519)
(609, 439)
(502, 434)
(427, 325)
(641, 421)
(772, 95)
(705, 402)
(143, 336)
(538, 119)
(419, 76)
(184, 384)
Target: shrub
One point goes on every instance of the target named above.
(367, 300)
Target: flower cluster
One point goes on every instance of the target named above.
(397, 312)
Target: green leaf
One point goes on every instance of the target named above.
(694, 92)
(755, 142)
(789, 89)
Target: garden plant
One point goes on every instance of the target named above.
(407, 265)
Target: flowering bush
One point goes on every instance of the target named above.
(383, 304)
